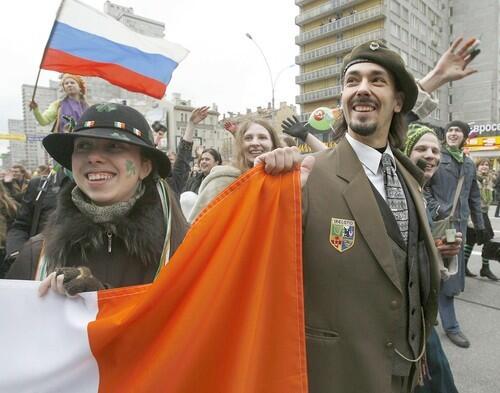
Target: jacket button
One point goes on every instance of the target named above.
(394, 304)
(389, 344)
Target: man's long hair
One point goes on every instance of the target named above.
(397, 130)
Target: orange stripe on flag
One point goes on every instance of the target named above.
(226, 314)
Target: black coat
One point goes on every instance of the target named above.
(194, 182)
(181, 167)
(24, 226)
(71, 239)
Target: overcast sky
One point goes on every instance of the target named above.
(223, 66)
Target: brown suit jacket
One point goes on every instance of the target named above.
(353, 298)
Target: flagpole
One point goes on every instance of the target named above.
(46, 46)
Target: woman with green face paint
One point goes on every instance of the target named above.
(118, 223)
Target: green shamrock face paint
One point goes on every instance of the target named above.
(130, 167)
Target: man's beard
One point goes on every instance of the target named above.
(363, 129)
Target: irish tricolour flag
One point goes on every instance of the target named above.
(87, 42)
(225, 315)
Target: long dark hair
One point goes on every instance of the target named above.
(397, 130)
(7, 204)
(214, 153)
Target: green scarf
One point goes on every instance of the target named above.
(485, 190)
(104, 214)
(456, 153)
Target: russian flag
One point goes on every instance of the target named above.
(225, 315)
(84, 41)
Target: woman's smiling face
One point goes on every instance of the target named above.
(256, 141)
(108, 171)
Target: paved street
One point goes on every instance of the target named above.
(476, 369)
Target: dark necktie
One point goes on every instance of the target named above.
(395, 195)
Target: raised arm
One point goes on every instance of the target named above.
(453, 65)
(48, 116)
(293, 127)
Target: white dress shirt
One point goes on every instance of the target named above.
(371, 160)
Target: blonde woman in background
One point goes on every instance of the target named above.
(252, 139)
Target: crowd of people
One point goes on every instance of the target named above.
(390, 215)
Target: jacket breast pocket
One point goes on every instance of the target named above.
(324, 359)
(321, 334)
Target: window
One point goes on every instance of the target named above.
(422, 68)
(414, 22)
(395, 30)
(414, 42)
(404, 35)
(404, 13)
(423, 48)
(450, 99)
(395, 7)
(414, 63)
(437, 114)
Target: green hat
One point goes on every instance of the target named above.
(415, 132)
(377, 52)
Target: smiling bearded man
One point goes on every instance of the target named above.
(371, 270)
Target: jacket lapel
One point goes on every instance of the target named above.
(359, 198)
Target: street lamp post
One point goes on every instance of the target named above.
(273, 80)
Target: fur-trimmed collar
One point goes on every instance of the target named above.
(142, 230)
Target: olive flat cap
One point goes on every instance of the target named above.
(377, 52)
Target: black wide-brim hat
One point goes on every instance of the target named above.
(377, 52)
(109, 121)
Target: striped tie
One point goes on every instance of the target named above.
(395, 195)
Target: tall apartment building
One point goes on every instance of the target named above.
(35, 153)
(477, 99)
(17, 149)
(133, 21)
(329, 29)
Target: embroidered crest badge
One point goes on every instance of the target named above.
(342, 234)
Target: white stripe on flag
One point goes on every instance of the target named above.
(45, 345)
(86, 18)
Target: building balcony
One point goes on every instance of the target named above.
(341, 24)
(319, 95)
(324, 10)
(323, 73)
(300, 3)
(338, 47)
